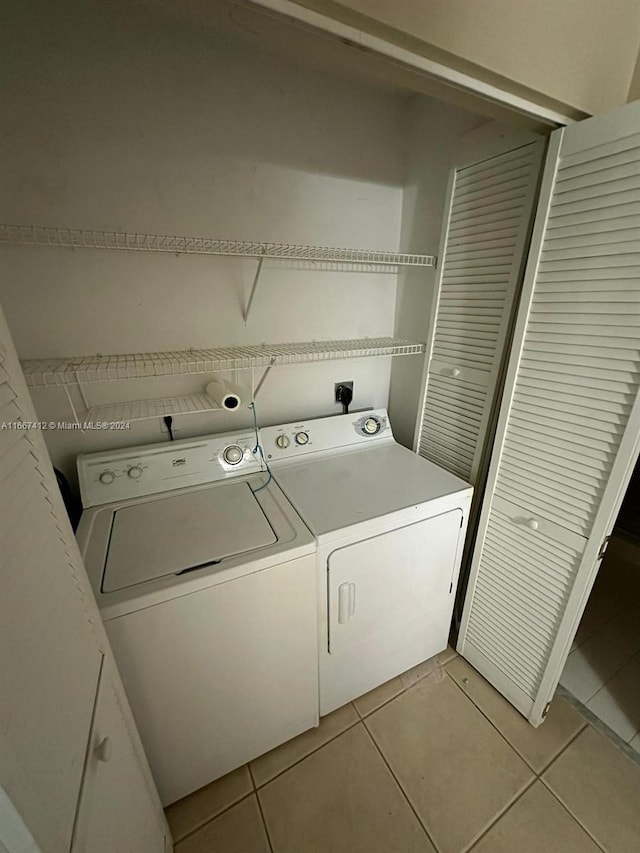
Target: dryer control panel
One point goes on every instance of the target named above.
(153, 468)
(290, 441)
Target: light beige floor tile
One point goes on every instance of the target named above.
(538, 746)
(448, 654)
(381, 695)
(238, 830)
(341, 799)
(452, 764)
(600, 786)
(536, 822)
(191, 812)
(618, 703)
(271, 763)
(378, 696)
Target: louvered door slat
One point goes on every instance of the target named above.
(600, 156)
(575, 382)
(489, 212)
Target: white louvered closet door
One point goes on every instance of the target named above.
(569, 426)
(490, 206)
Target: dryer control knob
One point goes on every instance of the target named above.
(302, 438)
(371, 426)
(282, 441)
(135, 472)
(107, 477)
(233, 454)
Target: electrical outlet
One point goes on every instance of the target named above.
(164, 430)
(336, 389)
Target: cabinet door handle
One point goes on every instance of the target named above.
(533, 524)
(456, 372)
(346, 602)
(104, 750)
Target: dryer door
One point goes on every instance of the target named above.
(383, 584)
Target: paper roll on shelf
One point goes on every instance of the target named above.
(225, 395)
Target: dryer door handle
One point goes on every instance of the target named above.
(346, 602)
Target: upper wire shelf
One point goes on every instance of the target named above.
(79, 238)
(107, 368)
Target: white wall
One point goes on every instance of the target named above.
(577, 53)
(138, 124)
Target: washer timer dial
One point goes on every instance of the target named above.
(282, 441)
(302, 438)
(233, 454)
(135, 472)
(107, 477)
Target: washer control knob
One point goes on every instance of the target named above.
(135, 472)
(302, 438)
(282, 441)
(233, 454)
(107, 477)
(371, 426)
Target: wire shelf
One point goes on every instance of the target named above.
(109, 368)
(142, 410)
(79, 238)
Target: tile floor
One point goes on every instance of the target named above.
(603, 668)
(442, 764)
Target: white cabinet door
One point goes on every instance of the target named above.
(490, 207)
(49, 653)
(51, 645)
(117, 812)
(392, 582)
(569, 426)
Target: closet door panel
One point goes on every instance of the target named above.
(490, 208)
(570, 420)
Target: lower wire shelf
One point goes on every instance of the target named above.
(109, 368)
(142, 410)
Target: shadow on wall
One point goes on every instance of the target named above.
(111, 97)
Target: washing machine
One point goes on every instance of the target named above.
(205, 577)
(390, 528)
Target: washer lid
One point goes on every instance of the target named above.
(170, 535)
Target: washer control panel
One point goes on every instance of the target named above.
(290, 441)
(120, 474)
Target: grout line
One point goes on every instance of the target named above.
(253, 781)
(562, 751)
(499, 816)
(490, 721)
(571, 814)
(403, 688)
(402, 791)
(264, 822)
(308, 754)
(508, 742)
(600, 726)
(212, 818)
(383, 704)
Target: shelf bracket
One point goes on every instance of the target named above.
(73, 408)
(253, 288)
(267, 370)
